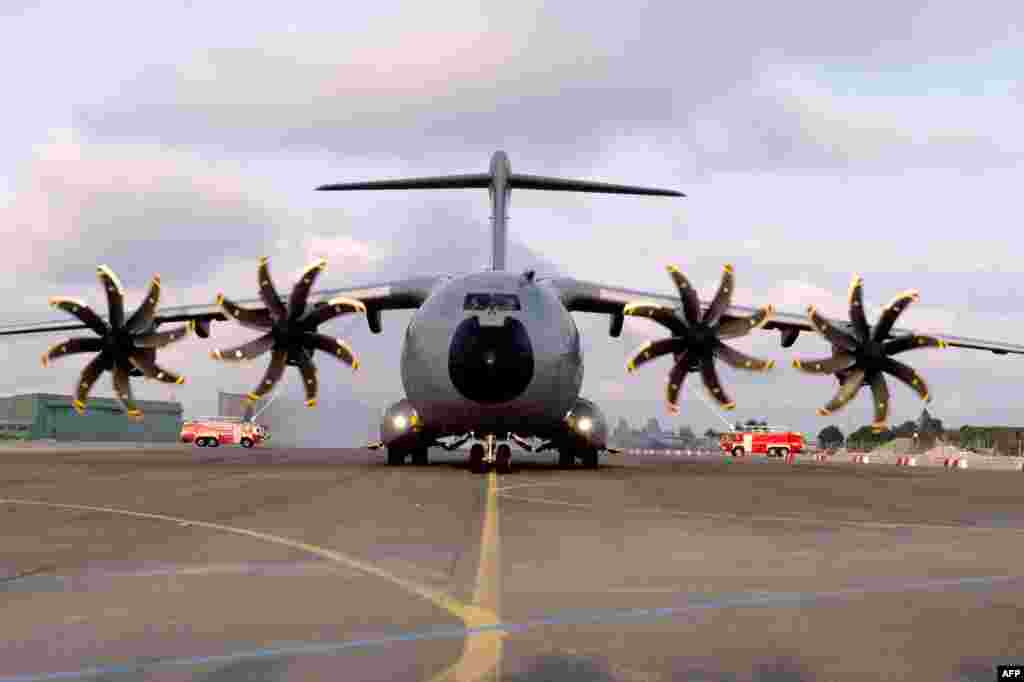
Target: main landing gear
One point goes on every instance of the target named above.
(567, 456)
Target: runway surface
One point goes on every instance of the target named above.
(226, 564)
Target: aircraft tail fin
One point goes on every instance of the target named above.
(499, 181)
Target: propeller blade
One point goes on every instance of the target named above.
(87, 344)
(269, 293)
(734, 327)
(152, 370)
(688, 295)
(334, 307)
(676, 377)
(164, 338)
(82, 312)
(333, 346)
(880, 395)
(910, 342)
(655, 349)
(309, 380)
(115, 295)
(253, 318)
(892, 313)
(738, 360)
(144, 314)
(847, 390)
(278, 362)
(88, 378)
(723, 297)
(247, 351)
(710, 376)
(838, 362)
(909, 377)
(123, 391)
(662, 314)
(300, 292)
(835, 335)
(860, 322)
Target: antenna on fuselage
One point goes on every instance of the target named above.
(499, 181)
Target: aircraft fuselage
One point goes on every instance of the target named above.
(492, 352)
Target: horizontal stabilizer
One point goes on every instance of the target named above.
(520, 181)
(478, 180)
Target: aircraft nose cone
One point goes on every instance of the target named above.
(491, 364)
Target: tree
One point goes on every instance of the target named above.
(831, 436)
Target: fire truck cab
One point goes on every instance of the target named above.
(215, 431)
(762, 440)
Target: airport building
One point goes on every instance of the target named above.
(45, 415)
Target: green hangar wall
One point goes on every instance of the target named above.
(54, 417)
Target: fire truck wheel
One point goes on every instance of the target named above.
(396, 456)
(200, 442)
(783, 452)
(246, 442)
(737, 452)
(503, 458)
(213, 442)
(566, 458)
(419, 456)
(772, 452)
(589, 457)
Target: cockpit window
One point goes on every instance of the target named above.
(492, 302)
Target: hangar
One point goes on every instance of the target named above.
(51, 416)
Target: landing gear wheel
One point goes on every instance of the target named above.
(504, 458)
(246, 442)
(566, 458)
(589, 457)
(419, 457)
(476, 459)
(396, 457)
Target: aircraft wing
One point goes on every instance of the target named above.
(591, 297)
(403, 294)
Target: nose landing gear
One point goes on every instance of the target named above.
(489, 452)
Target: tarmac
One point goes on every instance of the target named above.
(183, 563)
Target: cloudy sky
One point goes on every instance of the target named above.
(814, 140)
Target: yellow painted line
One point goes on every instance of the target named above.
(466, 612)
(481, 653)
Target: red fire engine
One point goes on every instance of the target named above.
(214, 431)
(762, 440)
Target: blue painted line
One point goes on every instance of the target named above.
(573, 617)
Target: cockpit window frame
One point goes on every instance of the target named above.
(484, 301)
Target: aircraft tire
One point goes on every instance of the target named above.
(589, 458)
(476, 459)
(419, 457)
(566, 458)
(396, 457)
(504, 458)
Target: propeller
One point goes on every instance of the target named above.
(697, 339)
(126, 348)
(861, 354)
(290, 334)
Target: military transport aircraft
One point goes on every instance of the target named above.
(494, 356)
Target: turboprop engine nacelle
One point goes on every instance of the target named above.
(587, 423)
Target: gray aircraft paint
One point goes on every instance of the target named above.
(557, 376)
